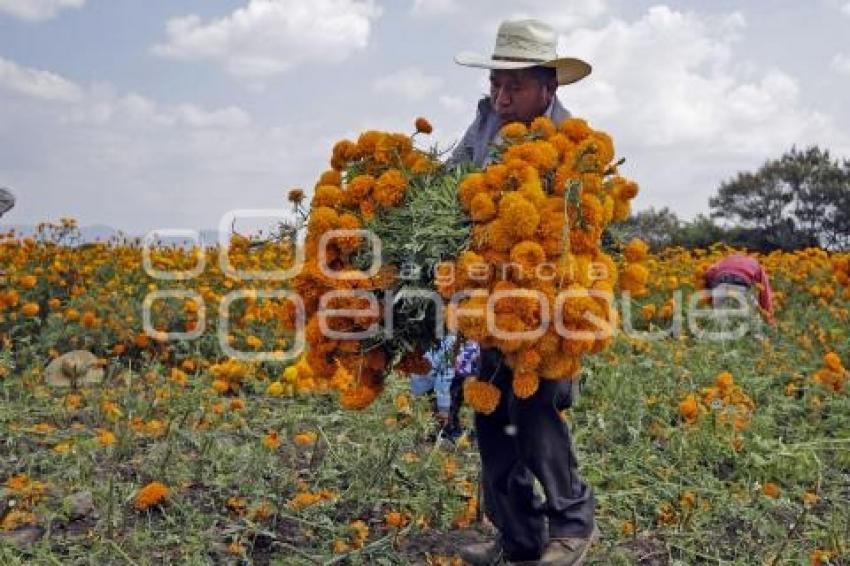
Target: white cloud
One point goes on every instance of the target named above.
(103, 109)
(561, 15)
(841, 63)
(268, 37)
(672, 78)
(846, 9)
(435, 7)
(454, 103)
(410, 83)
(128, 160)
(36, 83)
(99, 105)
(673, 90)
(37, 10)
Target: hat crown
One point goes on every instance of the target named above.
(525, 40)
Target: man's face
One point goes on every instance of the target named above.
(517, 95)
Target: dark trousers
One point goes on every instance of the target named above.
(525, 439)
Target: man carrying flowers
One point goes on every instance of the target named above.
(524, 439)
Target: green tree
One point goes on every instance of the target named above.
(658, 228)
(802, 198)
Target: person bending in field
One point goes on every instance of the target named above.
(739, 273)
(525, 440)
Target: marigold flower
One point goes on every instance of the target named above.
(389, 188)
(16, 519)
(537, 153)
(833, 362)
(30, 309)
(295, 196)
(275, 389)
(689, 408)
(636, 250)
(819, 557)
(271, 440)
(482, 396)
(327, 195)
(543, 126)
(423, 126)
(358, 397)
(482, 207)
(343, 152)
(575, 129)
(771, 489)
(513, 131)
(330, 177)
(395, 519)
(634, 279)
(724, 382)
(105, 438)
(152, 494)
(528, 255)
(28, 281)
(88, 320)
(519, 215)
(360, 187)
(525, 384)
(305, 438)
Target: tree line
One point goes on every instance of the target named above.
(799, 200)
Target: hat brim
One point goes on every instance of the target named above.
(568, 69)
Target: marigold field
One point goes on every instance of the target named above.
(699, 451)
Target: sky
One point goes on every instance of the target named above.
(167, 114)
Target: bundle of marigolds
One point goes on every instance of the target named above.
(514, 250)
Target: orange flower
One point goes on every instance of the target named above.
(689, 408)
(272, 440)
(295, 196)
(576, 129)
(359, 397)
(305, 438)
(724, 382)
(525, 384)
(360, 187)
(771, 490)
(514, 130)
(482, 207)
(30, 309)
(105, 438)
(152, 494)
(833, 362)
(28, 281)
(481, 395)
(389, 188)
(543, 126)
(395, 520)
(330, 177)
(636, 250)
(423, 126)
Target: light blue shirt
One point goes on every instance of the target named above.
(475, 146)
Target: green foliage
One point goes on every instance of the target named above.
(429, 227)
(799, 199)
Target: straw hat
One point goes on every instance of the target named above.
(74, 368)
(521, 44)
